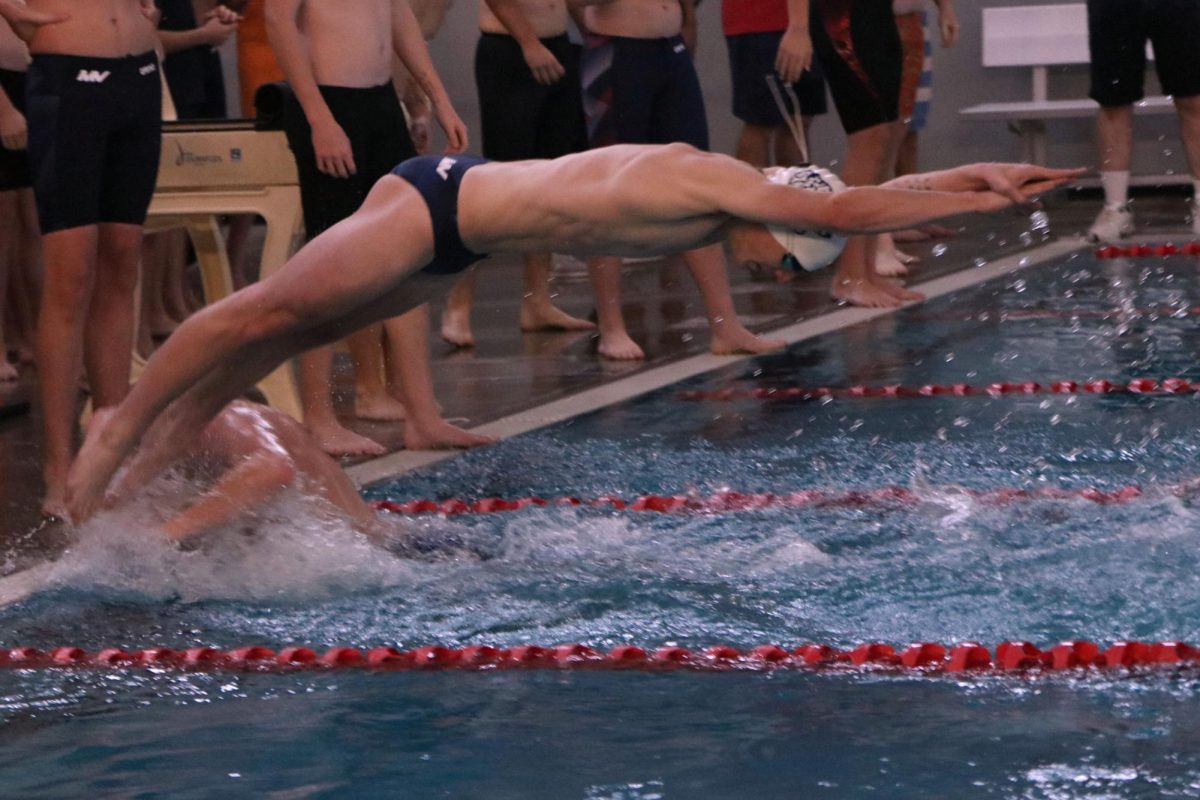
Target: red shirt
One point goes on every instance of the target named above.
(753, 16)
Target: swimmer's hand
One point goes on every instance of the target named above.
(454, 127)
(25, 23)
(1021, 183)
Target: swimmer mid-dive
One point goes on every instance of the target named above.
(435, 216)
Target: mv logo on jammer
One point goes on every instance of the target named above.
(92, 76)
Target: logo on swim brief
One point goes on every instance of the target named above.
(92, 76)
(444, 166)
(148, 69)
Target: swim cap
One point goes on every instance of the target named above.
(810, 249)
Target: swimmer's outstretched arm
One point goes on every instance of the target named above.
(242, 489)
(914, 200)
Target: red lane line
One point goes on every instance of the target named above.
(1148, 250)
(723, 502)
(925, 657)
(1148, 386)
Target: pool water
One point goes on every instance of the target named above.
(948, 567)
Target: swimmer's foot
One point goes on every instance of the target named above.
(536, 316)
(456, 327)
(338, 441)
(730, 339)
(441, 435)
(382, 407)
(619, 347)
(863, 294)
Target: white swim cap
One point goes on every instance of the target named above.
(811, 249)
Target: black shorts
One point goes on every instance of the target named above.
(1117, 34)
(642, 91)
(14, 164)
(438, 179)
(859, 47)
(752, 64)
(95, 134)
(378, 133)
(520, 117)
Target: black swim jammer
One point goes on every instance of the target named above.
(438, 179)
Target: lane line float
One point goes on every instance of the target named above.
(923, 657)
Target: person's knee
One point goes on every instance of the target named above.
(1188, 107)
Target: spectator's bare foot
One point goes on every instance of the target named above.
(863, 294)
(548, 317)
(897, 290)
(889, 264)
(8, 372)
(441, 435)
(456, 328)
(382, 408)
(619, 347)
(338, 441)
(728, 340)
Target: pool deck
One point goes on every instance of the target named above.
(513, 381)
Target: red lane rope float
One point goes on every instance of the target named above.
(723, 502)
(1148, 250)
(1148, 386)
(924, 657)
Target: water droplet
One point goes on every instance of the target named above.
(939, 250)
(979, 262)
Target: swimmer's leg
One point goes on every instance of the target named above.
(310, 300)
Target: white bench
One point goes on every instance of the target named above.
(1039, 37)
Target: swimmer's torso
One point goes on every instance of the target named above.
(546, 17)
(100, 28)
(349, 41)
(639, 19)
(625, 200)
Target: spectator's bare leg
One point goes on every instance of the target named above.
(371, 397)
(408, 353)
(1114, 138)
(538, 312)
(855, 280)
(108, 333)
(707, 265)
(10, 233)
(1189, 133)
(456, 317)
(615, 342)
(314, 375)
(25, 282)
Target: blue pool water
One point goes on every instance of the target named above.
(946, 568)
